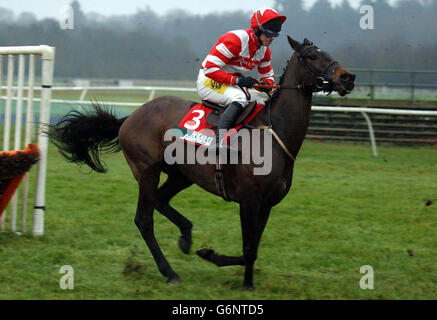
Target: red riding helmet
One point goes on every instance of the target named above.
(264, 15)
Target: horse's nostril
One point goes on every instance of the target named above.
(347, 76)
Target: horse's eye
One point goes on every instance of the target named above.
(312, 56)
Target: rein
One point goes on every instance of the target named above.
(276, 86)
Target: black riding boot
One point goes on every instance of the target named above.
(226, 122)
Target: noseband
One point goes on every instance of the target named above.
(321, 80)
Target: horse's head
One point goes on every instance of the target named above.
(319, 70)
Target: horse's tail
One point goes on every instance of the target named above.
(83, 136)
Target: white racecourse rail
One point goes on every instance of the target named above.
(47, 55)
(154, 89)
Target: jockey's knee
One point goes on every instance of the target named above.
(243, 104)
(237, 94)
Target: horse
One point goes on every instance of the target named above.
(83, 137)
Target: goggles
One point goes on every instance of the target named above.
(269, 33)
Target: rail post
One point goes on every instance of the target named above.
(372, 87)
(412, 84)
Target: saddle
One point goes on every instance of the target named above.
(194, 122)
(214, 116)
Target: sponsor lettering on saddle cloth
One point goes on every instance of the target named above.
(196, 130)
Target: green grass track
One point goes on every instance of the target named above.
(346, 209)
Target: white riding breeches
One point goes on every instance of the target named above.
(223, 94)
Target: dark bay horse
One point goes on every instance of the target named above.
(83, 137)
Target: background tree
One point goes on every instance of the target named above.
(172, 46)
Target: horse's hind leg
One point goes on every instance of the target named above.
(175, 183)
(218, 259)
(148, 184)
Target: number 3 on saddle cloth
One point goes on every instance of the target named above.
(200, 123)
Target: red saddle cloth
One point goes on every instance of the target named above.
(196, 130)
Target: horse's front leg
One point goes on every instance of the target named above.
(253, 217)
(253, 221)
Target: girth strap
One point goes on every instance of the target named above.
(220, 180)
(219, 177)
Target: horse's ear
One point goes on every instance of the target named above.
(307, 42)
(294, 44)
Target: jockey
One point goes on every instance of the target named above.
(235, 53)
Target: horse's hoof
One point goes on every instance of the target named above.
(184, 244)
(205, 253)
(175, 279)
(249, 288)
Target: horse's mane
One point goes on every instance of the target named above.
(281, 79)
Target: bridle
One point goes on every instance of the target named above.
(322, 80)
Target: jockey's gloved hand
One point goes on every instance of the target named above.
(247, 82)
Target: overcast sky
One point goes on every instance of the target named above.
(51, 8)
